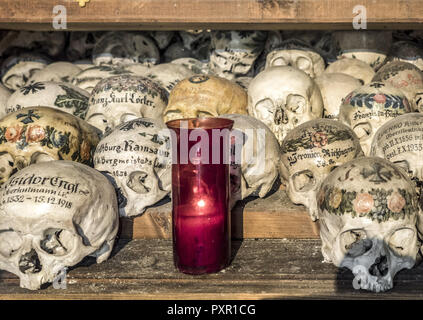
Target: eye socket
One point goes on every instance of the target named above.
(99, 121)
(10, 242)
(355, 243)
(303, 63)
(279, 62)
(138, 181)
(204, 114)
(6, 166)
(128, 117)
(363, 130)
(173, 115)
(265, 109)
(295, 103)
(401, 241)
(57, 242)
(41, 157)
(403, 164)
(303, 181)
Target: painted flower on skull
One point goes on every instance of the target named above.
(335, 198)
(34, 134)
(363, 203)
(379, 98)
(396, 202)
(319, 139)
(14, 133)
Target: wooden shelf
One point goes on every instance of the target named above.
(272, 217)
(262, 269)
(211, 14)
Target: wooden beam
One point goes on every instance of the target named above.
(211, 14)
(272, 217)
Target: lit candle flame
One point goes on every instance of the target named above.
(201, 203)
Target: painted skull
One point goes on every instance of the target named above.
(368, 212)
(297, 54)
(310, 152)
(404, 76)
(234, 52)
(284, 97)
(334, 87)
(63, 96)
(370, 46)
(352, 67)
(194, 65)
(60, 212)
(56, 72)
(257, 167)
(400, 141)
(17, 70)
(122, 98)
(119, 47)
(169, 74)
(40, 134)
(137, 155)
(367, 108)
(205, 96)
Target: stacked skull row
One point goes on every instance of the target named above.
(73, 101)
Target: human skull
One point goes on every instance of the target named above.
(405, 76)
(368, 107)
(162, 38)
(194, 65)
(40, 134)
(243, 82)
(64, 96)
(407, 51)
(88, 78)
(137, 155)
(310, 152)
(60, 212)
(197, 43)
(369, 46)
(122, 98)
(352, 67)
(297, 54)
(284, 97)
(368, 212)
(176, 51)
(120, 47)
(205, 96)
(4, 96)
(57, 72)
(334, 87)
(234, 52)
(257, 168)
(400, 141)
(81, 44)
(17, 70)
(169, 74)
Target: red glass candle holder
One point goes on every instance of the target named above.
(200, 194)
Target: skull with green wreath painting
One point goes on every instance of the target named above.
(310, 152)
(40, 134)
(368, 211)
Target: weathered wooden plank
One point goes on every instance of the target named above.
(210, 14)
(265, 269)
(272, 217)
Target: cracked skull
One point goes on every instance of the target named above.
(205, 96)
(368, 213)
(310, 152)
(41, 134)
(283, 97)
(368, 107)
(136, 154)
(60, 212)
(122, 98)
(234, 52)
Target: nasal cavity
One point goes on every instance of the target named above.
(380, 268)
(30, 263)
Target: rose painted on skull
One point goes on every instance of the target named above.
(363, 203)
(14, 133)
(34, 134)
(379, 98)
(319, 139)
(396, 202)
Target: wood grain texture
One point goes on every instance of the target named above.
(272, 217)
(210, 14)
(261, 269)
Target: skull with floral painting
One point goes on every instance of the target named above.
(61, 71)
(368, 210)
(310, 152)
(63, 96)
(205, 96)
(39, 134)
(137, 156)
(283, 97)
(368, 107)
(122, 98)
